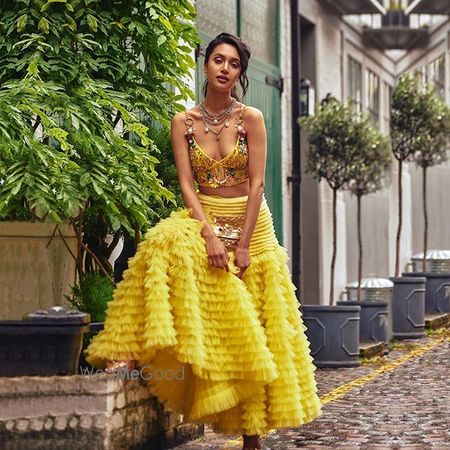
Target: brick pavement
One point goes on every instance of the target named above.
(399, 401)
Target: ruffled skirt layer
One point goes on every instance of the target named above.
(218, 349)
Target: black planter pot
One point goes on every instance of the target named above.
(333, 333)
(437, 291)
(374, 320)
(408, 307)
(46, 342)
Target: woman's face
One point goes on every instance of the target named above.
(223, 67)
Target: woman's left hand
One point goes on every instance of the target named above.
(242, 259)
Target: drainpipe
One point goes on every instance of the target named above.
(295, 177)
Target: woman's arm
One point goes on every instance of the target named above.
(257, 147)
(217, 254)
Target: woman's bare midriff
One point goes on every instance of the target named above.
(237, 190)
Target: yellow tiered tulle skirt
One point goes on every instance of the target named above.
(218, 349)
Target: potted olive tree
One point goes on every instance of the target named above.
(368, 176)
(79, 84)
(432, 151)
(334, 138)
(408, 130)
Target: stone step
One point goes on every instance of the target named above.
(437, 320)
(370, 349)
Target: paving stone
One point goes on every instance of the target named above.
(406, 408)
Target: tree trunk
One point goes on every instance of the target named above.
(360, 245)
(333, 260)
(425, 217)
(400, 218)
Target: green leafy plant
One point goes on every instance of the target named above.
(80, 82)
(334, 137)
(91, 295)
(374, 157)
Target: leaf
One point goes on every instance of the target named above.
(22, 22)
(44, 25)
(92, 22)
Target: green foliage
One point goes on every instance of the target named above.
(418, 121)
(92, 295)
(436, 129)
(166, 168)
(78, 78)
(373, 155)
(333, 137)
(141, 47)
(89, 166)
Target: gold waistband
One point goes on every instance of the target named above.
(218, 209)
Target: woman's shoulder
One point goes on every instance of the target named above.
(180, 117)
(251, 111)
(252, 114)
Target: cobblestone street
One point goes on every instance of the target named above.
(399, 401)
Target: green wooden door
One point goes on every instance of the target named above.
(264, 95)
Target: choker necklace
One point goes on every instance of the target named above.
(214, 120)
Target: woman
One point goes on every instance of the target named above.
(207, 309)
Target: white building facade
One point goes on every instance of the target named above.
(337, 58)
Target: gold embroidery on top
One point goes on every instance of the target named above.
(230, 170)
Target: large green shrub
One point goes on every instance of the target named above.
(78, 81)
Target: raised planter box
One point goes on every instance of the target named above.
(374, 320)
(437, 291)
(36, 269)
(408, 307)
(333, 333)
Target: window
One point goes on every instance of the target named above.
(421, 75)
(437, 75)
(373, 96)
(355, 83)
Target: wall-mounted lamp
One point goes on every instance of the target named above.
(306, 98)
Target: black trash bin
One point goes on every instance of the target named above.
(45, 342)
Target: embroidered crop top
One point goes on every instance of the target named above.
(207, 171)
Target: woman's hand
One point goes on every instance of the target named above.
(217, 253)
(242, 259)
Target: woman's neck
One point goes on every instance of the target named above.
(216, 102)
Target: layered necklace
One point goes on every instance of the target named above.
(216, 120)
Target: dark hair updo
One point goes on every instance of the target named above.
(244, 56)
